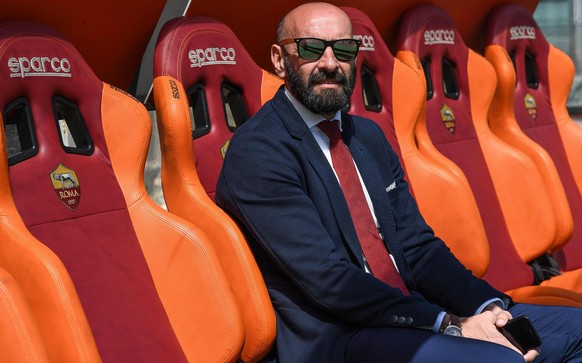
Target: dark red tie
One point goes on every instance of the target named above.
(374, 249)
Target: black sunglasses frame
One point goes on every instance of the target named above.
(326, 43)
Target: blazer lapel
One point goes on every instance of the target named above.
(377, 188)
(299, 130)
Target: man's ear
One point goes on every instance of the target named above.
(278, 60)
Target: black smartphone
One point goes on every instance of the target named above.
(521, 333)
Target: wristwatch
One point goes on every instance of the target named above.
(451, 325)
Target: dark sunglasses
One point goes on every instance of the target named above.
(313, 48)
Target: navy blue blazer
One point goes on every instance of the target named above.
(278, 185)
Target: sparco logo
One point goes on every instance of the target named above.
(439, 36)
(522, 32)
(39, 67)
(367, 42)
(174, 88)
(211, 56)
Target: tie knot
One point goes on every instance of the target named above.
(331, 129)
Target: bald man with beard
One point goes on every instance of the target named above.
(334, 300)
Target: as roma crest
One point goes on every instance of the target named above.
(66, 185)
(448, 118)
(223, 148)
(530, 105)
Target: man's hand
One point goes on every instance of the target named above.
(485, 326)
(501, 316)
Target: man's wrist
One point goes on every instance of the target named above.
(451, 325)
(487, 305)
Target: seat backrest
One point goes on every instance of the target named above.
(20, 338)
(392, 93)
(534, 82)
(187, 86)
(148, 282)
(224, 86)
(45, 283)
(505, 182)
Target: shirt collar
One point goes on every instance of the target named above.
(311, 119)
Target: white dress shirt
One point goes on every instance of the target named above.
(311, 120)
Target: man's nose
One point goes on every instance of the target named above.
(328, 61)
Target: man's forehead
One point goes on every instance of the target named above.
(320, 27)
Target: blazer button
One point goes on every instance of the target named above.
(394, 319)
(409, 320)
(402, 320)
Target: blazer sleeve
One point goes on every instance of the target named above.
(438, 275)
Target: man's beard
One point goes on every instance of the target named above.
(327, 101)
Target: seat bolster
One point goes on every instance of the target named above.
(184, 266)
(240, 268)
(127, 129)
(407, 100)
(561, 74)
(435, 188)
(571, 135)
(50, 293)
(421, 137)
(191, 284)
(561, 71)
(190, 201)
(482, 84)
(175, 131)
(504, 125)
(20, 339)
(270, 83)
(545, 295)
(435, 180)
(571, 280)
(45, 284)
(533, 232)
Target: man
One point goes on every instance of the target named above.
(281, 181)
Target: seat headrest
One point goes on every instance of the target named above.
(48, 92)
(373, 57)
(513, 27)
(224, 85)
(38, 61)
(429, 31)
(372, 96)
(206, 45)
(373, 48)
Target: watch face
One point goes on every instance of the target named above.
(452, 330)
